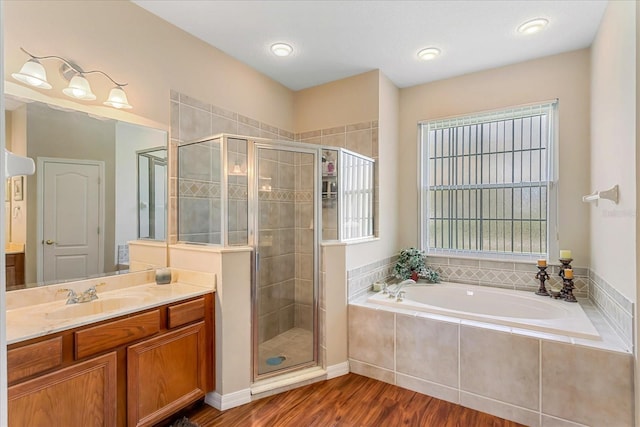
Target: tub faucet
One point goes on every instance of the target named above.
(399, 286)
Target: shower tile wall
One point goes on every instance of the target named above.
(304, 241)
(191, 120)
(237, 191)
(200, 195)
(277, 225)
(361, 138)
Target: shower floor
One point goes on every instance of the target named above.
(295, 344)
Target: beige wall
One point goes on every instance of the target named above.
(16, 133)
(613, 69)
(350, 100)
(388, 226)
(564, 76)
(134, 46)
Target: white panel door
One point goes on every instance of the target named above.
(71, 220)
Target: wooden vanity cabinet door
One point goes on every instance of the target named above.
(166, 374)
(80, 395)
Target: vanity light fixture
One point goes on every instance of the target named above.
(34, 74)
(533, 26)
(281, 49)
(428, 53)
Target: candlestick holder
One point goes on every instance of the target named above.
(566, 263)
(542, 276)
(567, 290)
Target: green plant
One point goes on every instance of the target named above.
(412, 260)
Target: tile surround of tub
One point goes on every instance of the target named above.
(500, 372)
(586, 385)
(360, 280)
(509, 275)
(617, 309)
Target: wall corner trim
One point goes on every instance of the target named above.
(222, 402)
(338, 370)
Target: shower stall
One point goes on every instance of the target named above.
(272, 196)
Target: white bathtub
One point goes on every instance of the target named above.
(500, 306)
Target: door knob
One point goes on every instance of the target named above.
(50, 242)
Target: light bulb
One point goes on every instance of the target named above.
(428, 53)
(281, 49)
(533, 26)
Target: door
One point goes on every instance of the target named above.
(285, 288)
(71, 217)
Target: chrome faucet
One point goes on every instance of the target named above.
(85, 296)
(398, 289)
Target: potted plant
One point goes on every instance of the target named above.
(411, 264)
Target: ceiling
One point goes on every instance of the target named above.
(336, 39)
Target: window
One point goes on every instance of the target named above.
(487, 183)
(357, 184)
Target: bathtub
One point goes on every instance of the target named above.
(519, 309)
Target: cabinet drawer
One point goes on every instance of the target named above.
(113, 334)
(34, 358)
(181, 314)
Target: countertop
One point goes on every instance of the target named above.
(37, 320)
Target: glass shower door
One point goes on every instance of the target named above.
(285, 286)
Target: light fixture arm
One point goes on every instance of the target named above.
(74, 67)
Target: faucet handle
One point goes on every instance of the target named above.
(400, 296)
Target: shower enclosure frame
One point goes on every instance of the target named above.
(224, 143)
(253, 146)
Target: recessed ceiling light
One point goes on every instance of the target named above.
(428, 53)
(533, 26)
(281, 49)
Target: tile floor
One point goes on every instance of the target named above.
(296, 345)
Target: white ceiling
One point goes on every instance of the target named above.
(336, 39)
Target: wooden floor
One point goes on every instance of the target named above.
(349, 400)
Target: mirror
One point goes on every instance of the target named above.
(99, 184)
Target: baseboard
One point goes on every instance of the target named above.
(338, 370)
(227, 401)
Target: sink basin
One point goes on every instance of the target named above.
(101, 305)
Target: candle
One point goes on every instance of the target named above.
(542, 263)
(568, 273)
(565, 254)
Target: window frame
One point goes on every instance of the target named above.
(548, 107)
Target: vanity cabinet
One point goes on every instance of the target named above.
(165, 374)
(14, 269)
(83, 394)
(132, 370)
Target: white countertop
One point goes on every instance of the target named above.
(37, 320)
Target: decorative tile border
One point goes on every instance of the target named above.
(508, 275)
(359, 280)
(617, 309)
(199, 189)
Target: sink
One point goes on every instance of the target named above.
(101, 305)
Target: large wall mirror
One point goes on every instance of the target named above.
(99, 184)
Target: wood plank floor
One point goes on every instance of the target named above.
(346, 401)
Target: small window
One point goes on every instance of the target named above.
(487, 183)
(358, 190)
